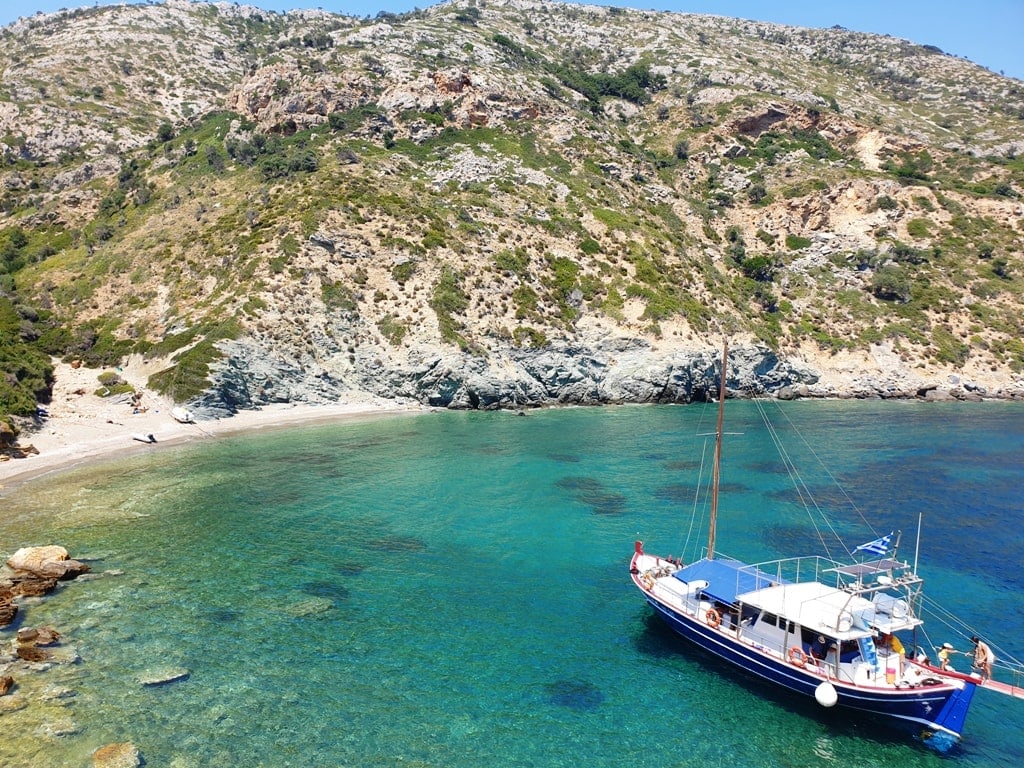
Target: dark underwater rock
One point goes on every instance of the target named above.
(575, 694)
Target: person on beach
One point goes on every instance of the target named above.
(983, 658)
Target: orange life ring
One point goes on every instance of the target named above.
(713, 618)
(647, 580)
(797, 657)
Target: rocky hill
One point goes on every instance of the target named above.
(503, 203)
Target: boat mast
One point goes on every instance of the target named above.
(718, 453)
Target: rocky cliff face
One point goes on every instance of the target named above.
(508, 203)
(615, 372)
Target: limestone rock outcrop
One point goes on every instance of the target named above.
(33, 572)
(119, 755)
(50, 562)
(563, 373)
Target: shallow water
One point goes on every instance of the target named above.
(450, 589)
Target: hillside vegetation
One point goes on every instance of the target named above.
(350, 194)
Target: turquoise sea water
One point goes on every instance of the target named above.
(450, 589)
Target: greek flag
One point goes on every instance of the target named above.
(877, 547)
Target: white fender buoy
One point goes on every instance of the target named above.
(825, 694)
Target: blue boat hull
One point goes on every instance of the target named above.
(936, 713)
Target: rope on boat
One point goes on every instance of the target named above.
(802, 486)
(691, 531)
(806, 497)
(1005, 661)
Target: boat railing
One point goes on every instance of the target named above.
(791, 570)
(859, 578)
(1010, 676)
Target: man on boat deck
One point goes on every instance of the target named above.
(983, 658)
(819, 648)
(892, 642)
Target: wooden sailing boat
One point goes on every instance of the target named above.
(812, 625)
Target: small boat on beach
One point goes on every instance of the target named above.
(183, 415)
(835, 631)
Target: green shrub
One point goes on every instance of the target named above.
(337, 297)
(164, 132)
(351, 120)
(524, 298)
(757, 194)
(189, 376)
(634, 84)
(613, 304)
(26, 374)
(529, 337)
(919, 228)
(402, 272)
(515, 261)
(891, 283)
(797, 243)
(120, 388)
(760, 268)
(109, 379)
(566, 270)
(447, 300)
(96, 346)
(908, 254)
(391, 329)
(949, 349)
(910, 168)
(661, 305)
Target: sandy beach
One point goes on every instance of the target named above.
(82, 426)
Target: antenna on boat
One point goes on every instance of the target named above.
(917, 544)
(718, 452)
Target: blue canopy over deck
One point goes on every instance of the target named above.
(726, 578)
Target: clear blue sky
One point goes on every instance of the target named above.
(989, 32)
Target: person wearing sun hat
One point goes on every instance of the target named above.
(944, 653)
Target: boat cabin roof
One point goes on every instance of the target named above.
(832, 610)
(814, 605)
(725, 578)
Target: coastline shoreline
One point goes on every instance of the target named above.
(62, 446)
(81, 426)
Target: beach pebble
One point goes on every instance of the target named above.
(57, 728)
(164, 676)
(32, 654)
(27, 635)
(40, 636)
(121, 755)
(7, 608)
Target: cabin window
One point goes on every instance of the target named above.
(817, 644)
(849, 650)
